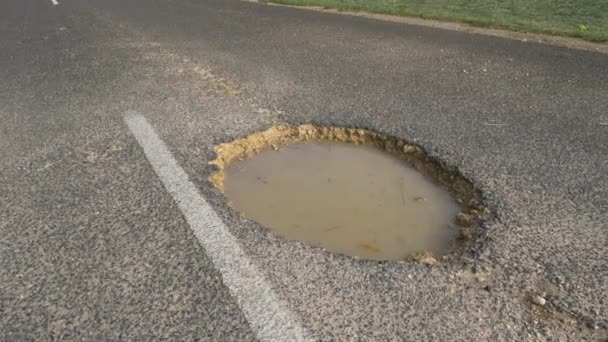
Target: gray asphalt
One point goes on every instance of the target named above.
(92, 247)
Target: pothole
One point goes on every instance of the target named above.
(349, 191)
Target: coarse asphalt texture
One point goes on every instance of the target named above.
(92, 247)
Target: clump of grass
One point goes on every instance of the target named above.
(586, 19)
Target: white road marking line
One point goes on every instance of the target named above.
(269, 318)
(494, 124)
(55, 2)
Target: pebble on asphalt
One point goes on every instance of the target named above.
(538, 300)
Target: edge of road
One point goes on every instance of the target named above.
(560, 41)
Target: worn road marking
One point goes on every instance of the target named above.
(269, 318)
(495, 124)
(55, 2)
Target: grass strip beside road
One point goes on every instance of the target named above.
(587, 19)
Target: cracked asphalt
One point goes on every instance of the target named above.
(92, 247)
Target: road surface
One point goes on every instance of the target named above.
(109, 230)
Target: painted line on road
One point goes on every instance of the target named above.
(55, 2)
(495, 124)
(269, 317)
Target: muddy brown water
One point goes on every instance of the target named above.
(351, 199)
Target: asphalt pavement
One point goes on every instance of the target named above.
(94, 244)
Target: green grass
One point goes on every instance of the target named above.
(587, 19)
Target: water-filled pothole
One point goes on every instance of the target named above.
(349, 191)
